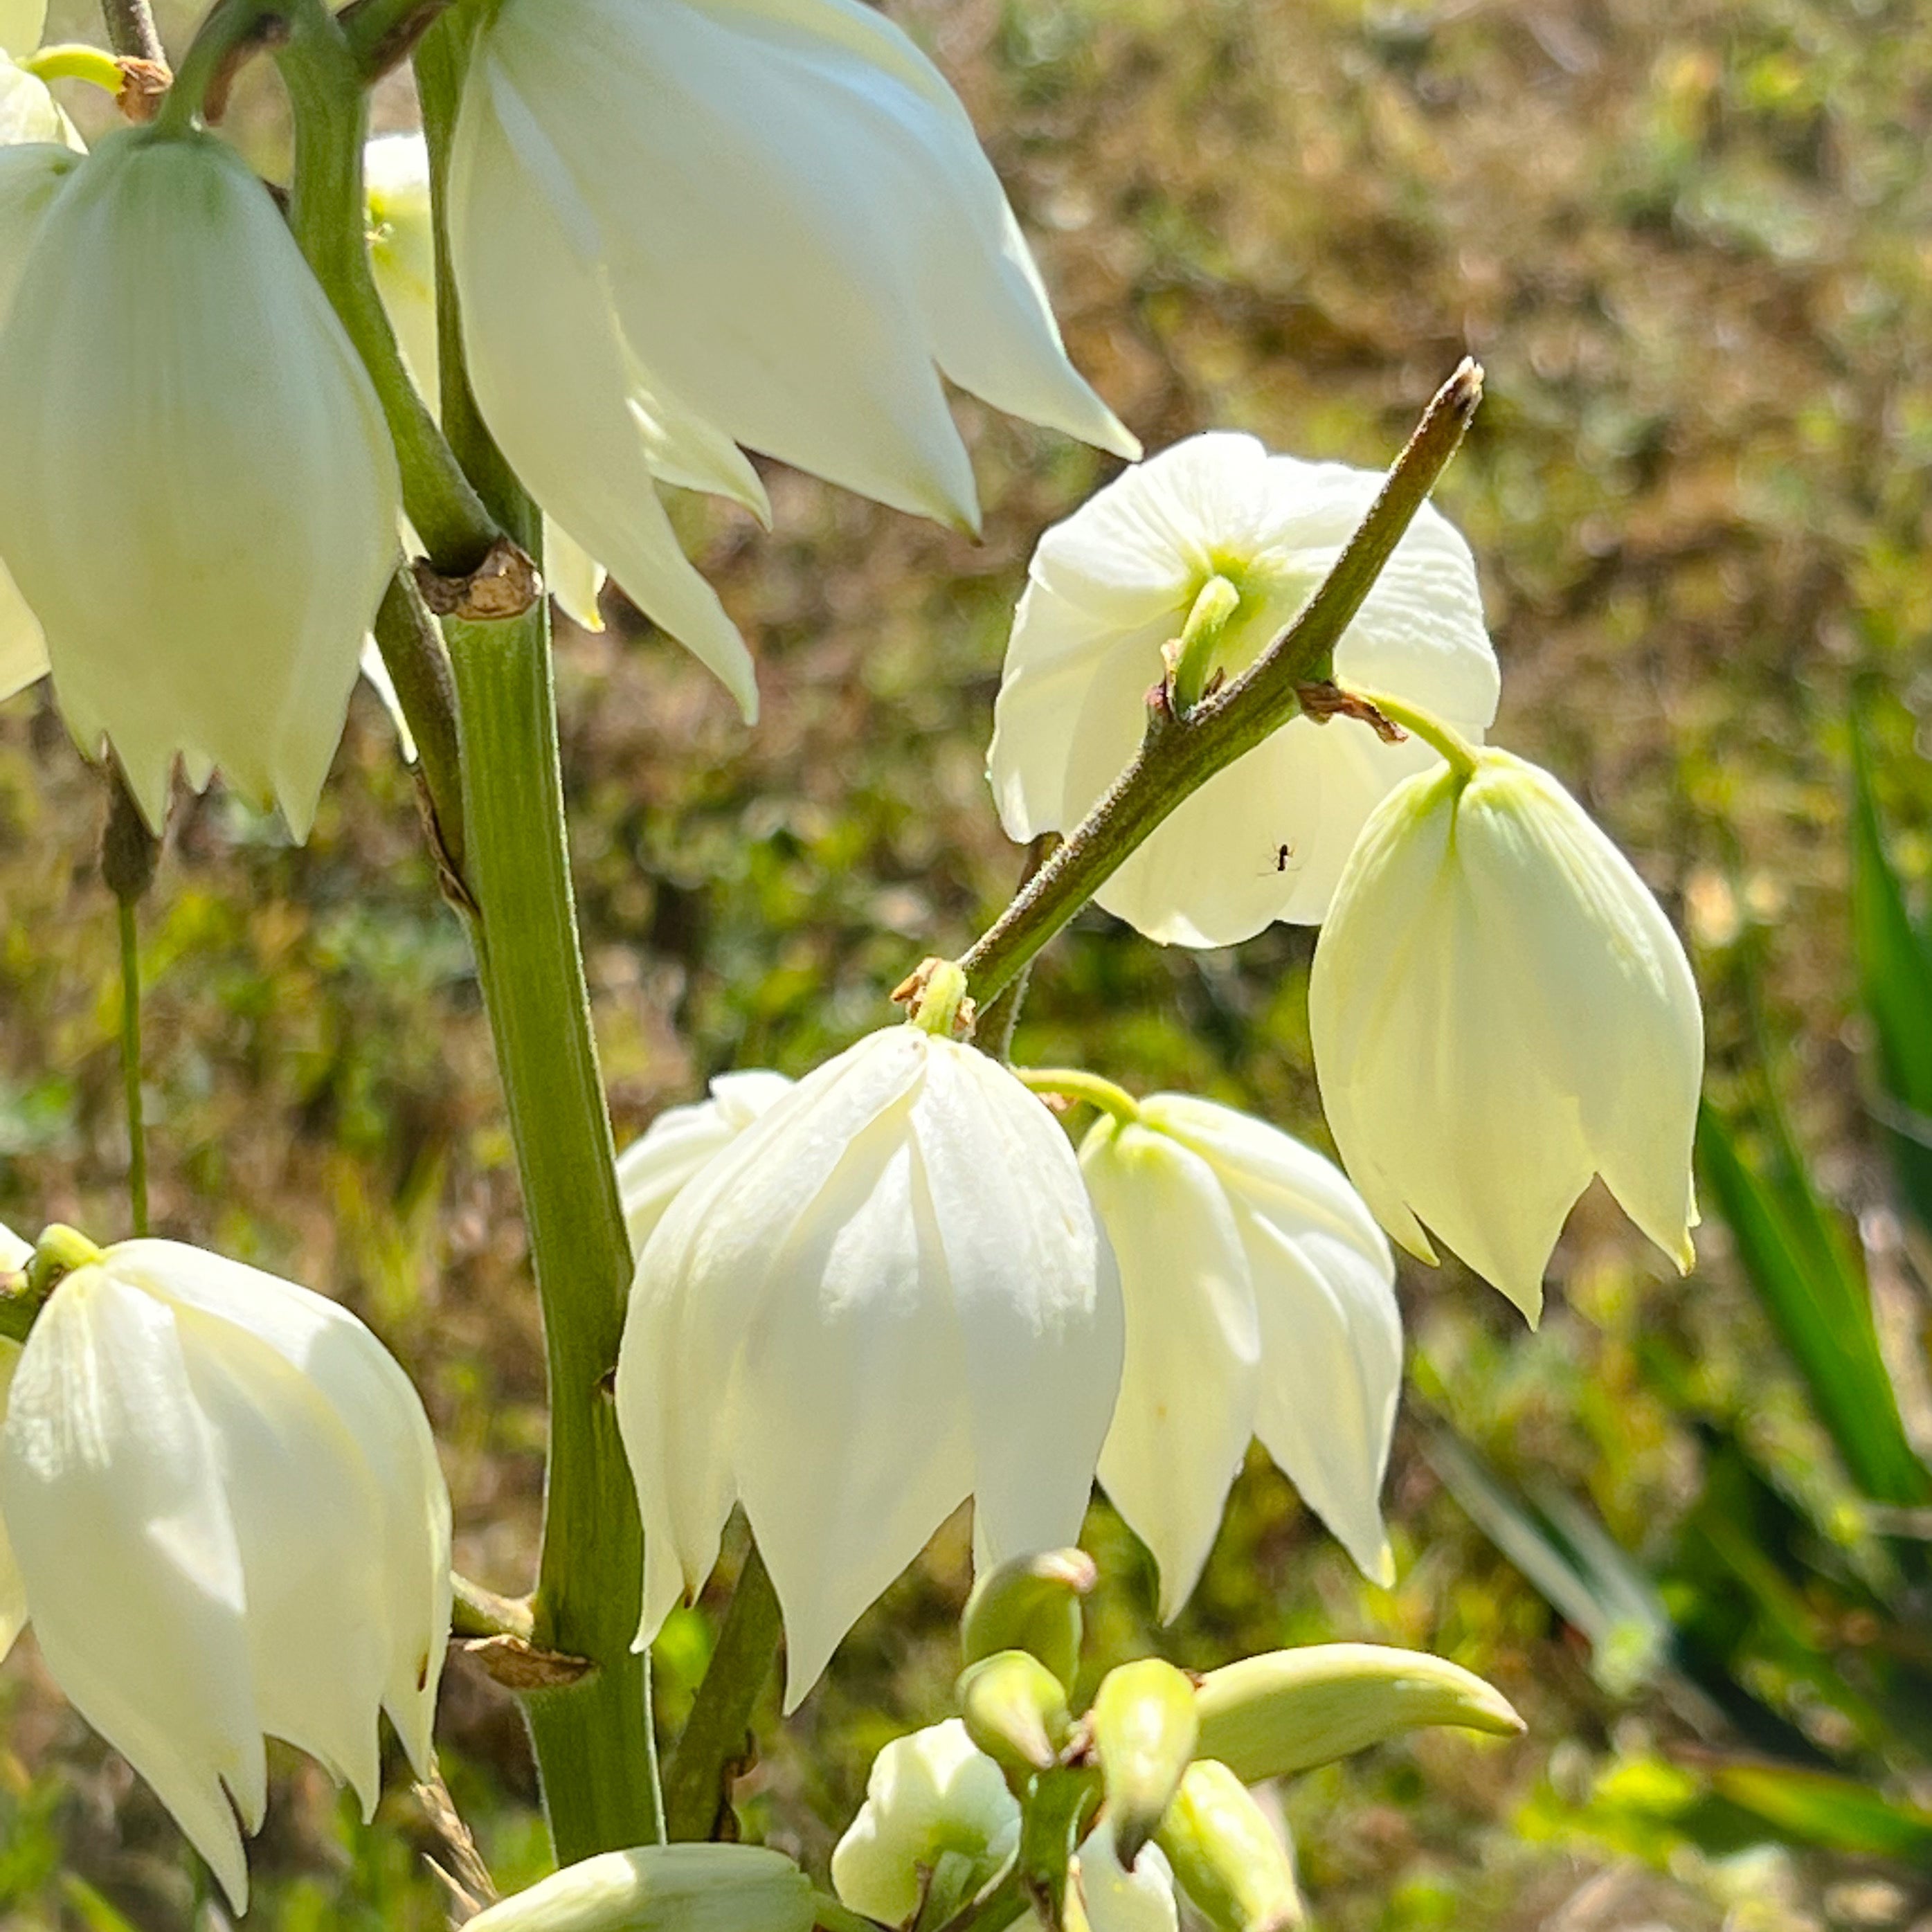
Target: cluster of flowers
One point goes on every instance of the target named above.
(865, 1297)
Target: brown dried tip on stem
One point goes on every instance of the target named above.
(129, 851)
(144, 85)
(521, 1666)
(505, 584)
(1323, 700)
(268, 33)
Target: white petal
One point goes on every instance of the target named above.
(554, 380)
(652, 1168)
(1324, 1284)
(1618, 1008)
(402, 250)
(1446, 1099)
(575, 577)
(764, 158)
(307, 1519)
(702, 1275)
(28, 111)
(1186, 1404)
(406, 1558)
(1037, 1294)
(145, 407)
(110, 1492)
(13, 1588)
(376, 673)
(853, 1446)
(15, 1251)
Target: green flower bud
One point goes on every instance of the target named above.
(1016, 1712)
(1288, 1710)
(1144, 1729)
(1225, 1856)
(662, 1888)
(1032, 1603)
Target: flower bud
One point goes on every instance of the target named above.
(1016, 1712)
(1032, 1604)
(1144, 1728)
(1290, 1710)
(930, 1795)
(662, 1888)
(1225, 1856)
(199, 499)
(1499, 1010)
(267, 1533)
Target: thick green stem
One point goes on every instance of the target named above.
(1179, 754)
(594, 1742)
(595, 1745)
(697, 1784)
(418, 662)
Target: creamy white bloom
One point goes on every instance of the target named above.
(669, 1152)
(1499, 1011)
(755, 223)
(226, 1519)
(402, 252)
(1260, 1300)
(662, 1888)
(1114, 1899)
(199, 502)
(1266, 839)
(930, 1793)
(888, 1293)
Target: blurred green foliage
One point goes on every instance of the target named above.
(1689, 242)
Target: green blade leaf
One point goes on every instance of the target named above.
(1805, 1273)
(1894, 962)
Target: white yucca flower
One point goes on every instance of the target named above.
(1499, 1012)
(676, 1145)
(684, 228)
(402, 252)
(930, 1793)
(227, 1520)
(1260, 1300)
(886, 1294)
(199, 500)
(27, 111)
(1266, 839)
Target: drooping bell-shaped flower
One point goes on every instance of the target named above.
(930, 1794)
(1500, 1011)
(1266, 839)
(199, 502)
(227, 1520)
(669, 1152)
(886, 1294)
(683, 230)
(1260, 1300)
(402, 254)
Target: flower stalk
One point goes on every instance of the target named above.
(1180, 752)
